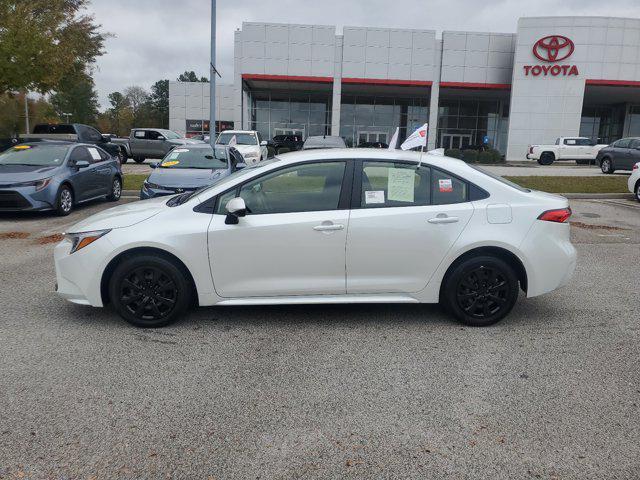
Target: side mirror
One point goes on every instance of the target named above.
(81, 164)
(236, 208)
(263, 143)
(106, 139)
(154, 164)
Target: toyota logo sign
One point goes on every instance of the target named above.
(553, 48)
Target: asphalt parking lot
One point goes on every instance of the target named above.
(327, 391)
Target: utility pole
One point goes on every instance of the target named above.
(212, 78)
(26, 113)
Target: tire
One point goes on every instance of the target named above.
(638, 191)
(138, 159)
(122, 156)
(116, 190)
(606, 165)
(150, 291)
(480, 291)
(64, 201)
(546, 158)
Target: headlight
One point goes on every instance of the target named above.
(84, 239)
(153, 185)
(39, 184)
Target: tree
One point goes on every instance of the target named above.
(160, 102)
(192, 77)
(42, 41)
(76, 95)
(138, 100)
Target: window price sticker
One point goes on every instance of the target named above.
(375, 196)
(445, 184)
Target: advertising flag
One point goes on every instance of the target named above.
(416, 139)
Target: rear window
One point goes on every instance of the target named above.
(500, 179)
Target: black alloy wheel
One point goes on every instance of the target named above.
(481, 291)
(149, 291)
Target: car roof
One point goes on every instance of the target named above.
(238, 131)
(48, 143)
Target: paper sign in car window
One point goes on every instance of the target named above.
(95, 154)
(180, 150)
(445, 185)
(170, 163)
(401, 186)
(173, 155)
(373, 197)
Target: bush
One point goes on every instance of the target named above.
(488, 156)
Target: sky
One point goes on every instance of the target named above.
(159, 39)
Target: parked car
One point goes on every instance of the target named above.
(56, 176)
(290, 142)
(248, 142)
(74, 132)
(323, 141)
(581, 149)
(373, 145)
(622, 154)
(634, 181)
(146, 143)
(332, 226)
(186, 169)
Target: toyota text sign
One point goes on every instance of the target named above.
(551, 50)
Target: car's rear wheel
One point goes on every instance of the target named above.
(64, 201)
(122, 156)
(480, 291)
(546, 158)
(638, 191)
(150, 291)
(606, 166)
(138, 159)
(116, 190)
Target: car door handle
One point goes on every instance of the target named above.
(328, 228)
(443, 219)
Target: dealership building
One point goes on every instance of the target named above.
(556, 76)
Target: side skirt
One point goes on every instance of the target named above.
(319, 299)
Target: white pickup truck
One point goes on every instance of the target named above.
(581, 149)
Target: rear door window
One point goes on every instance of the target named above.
(391, 184)
(139, 134)
(447, 189)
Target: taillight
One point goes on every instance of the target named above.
(530, 150)
(560, 215)
(635, 167)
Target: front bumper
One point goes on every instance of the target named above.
(78, 275)
(24, 199)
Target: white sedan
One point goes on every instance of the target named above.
(634, 181)
(325, 226)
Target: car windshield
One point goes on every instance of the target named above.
(241, 138)
(36, 155)
(202, 158)
(169, 134)
(499, 178)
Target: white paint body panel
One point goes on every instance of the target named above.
(380, 255)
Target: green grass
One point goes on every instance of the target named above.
(603, 184)
(133, 182)
(608, 184)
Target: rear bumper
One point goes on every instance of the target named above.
(553, 258)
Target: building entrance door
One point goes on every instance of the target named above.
(455, 140)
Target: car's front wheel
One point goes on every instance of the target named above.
(480, 291)
(64, 201)
(638, 191)
(606, 166)
(150, 291)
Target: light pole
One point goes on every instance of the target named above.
(68, 115)
(212, 78)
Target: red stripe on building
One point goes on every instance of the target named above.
(286, 78)
(479, 86)
(614, 83)
(381, 81)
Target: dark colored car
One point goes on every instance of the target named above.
(373, 145)
(75, 132)
(622, 154)
(324, 141)
(190, 168)
(292, 142)
(56, 176)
